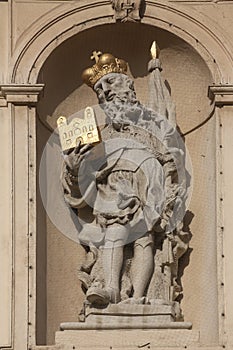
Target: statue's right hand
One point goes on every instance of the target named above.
(74, 156)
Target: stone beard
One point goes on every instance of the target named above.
(120, 104)
(125, 265)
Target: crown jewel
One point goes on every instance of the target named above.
(104, 64)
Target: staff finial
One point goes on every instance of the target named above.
(154, 50)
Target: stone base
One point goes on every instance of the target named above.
(126, 326)
(127, 339)
(125, 316)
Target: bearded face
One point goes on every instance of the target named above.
(115, 87)
(117, 97)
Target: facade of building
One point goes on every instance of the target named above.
(45, 46)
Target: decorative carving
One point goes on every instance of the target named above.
(127, 10)
(136, 192)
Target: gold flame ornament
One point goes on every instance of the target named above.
(104, 64)
(154, 50)
(83, 130)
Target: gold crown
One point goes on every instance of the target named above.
(105, 64)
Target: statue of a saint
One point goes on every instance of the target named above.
(133, 185)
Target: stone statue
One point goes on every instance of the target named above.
(133, 185)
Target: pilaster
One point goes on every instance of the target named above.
(222, 96)
(18, 185)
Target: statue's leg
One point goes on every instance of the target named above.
(115, 239)
(142, 265)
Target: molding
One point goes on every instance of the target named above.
(221, 94)
(20, 93)
(3, 102)
(202, 2)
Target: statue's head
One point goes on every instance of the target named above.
(108, 78)
(114, 87)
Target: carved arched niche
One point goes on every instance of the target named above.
(59, 295)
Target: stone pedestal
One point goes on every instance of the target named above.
(124, 316)
(127, 339)
(127, 326)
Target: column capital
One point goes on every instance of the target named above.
(221, 94)
(20, 93)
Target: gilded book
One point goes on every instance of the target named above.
(84, 130)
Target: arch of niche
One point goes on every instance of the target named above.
(42, 37)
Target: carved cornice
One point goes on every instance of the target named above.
(221, 94)
(20, 93)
